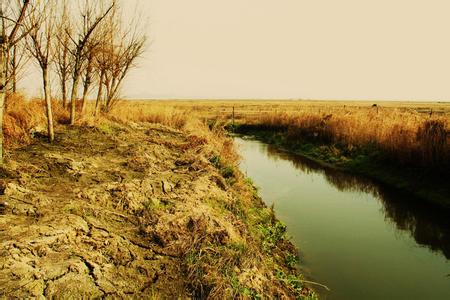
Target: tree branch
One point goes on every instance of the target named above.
(26, 3)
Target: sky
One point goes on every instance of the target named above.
(291, 49)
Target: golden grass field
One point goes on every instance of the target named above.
(245, 108)
(416, 133)
(410, 132)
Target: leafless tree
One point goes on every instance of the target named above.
(40, 45)
(91, 18)
(122, 46)
(17, 62)
(62, 56)
(92, 49)
(11, 32)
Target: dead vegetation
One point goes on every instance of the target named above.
(410, 134)
(24, 119)
(408, 138)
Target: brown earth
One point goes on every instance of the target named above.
(136, 210)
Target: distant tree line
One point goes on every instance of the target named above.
(86, 45)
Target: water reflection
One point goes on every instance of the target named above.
(429, 226)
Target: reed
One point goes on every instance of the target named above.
(409, 138)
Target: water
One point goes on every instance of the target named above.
(362, 240)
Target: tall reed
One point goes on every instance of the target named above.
(406, 137)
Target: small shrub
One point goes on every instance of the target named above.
(292, 260)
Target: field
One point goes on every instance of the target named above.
(410, 132)
(247, 108)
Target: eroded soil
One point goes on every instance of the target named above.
(119, 211)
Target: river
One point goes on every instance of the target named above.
(362, 240)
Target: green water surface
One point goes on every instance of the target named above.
(360, 239)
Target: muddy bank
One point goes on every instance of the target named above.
(137, 210)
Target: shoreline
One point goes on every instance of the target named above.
(363, 162)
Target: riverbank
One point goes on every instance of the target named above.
(369, 161)
(141, 210)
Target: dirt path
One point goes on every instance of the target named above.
(118, 211)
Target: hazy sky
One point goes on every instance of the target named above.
(346, 49)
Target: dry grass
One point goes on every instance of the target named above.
(407, 137)
(406, 132)
(23, 118)
(410, 133)
(134, 111)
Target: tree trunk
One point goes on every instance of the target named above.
(2, 90)
(64, 75)
(64, 91)
(87, 83)
(7, 62)
(76, 80)
(48, 105)
(108, 91)
(83, 101)
(100, 93)
(73, 99)
(14, 70)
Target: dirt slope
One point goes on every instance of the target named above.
(124, 210)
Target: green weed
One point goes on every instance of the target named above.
(292, 260)
(272, 234)
(155, 204)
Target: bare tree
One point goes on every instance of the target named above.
(101, 70)
(103, 56)
(89, 24)
(18, 59)
(92, 50)
(10, 34)
(122, 45)
(40, 45)
(62, 56)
